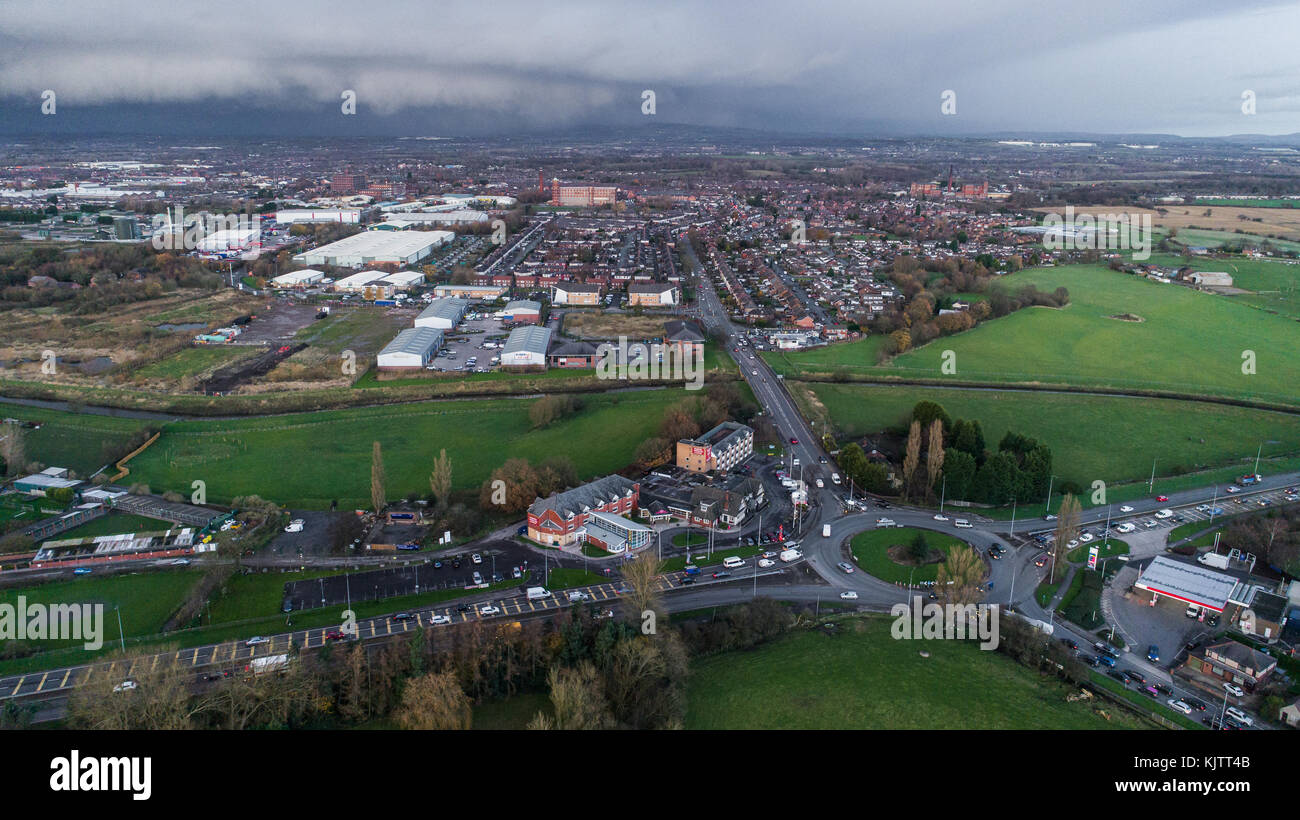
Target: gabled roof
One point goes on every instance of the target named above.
(678, 330)
(589, 495)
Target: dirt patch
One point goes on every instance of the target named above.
(227, 378)
(1127, 317)
(902, 554)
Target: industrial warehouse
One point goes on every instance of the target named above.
(526, 347)
(443, 314)
(413, 347)
(377, 248)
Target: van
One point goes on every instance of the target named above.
(1108, 660)
(732, 562)
(537, 593)
(790, 555)
(691, 569)
(826, 530)
(961, 524)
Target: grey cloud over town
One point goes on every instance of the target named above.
(1105, 66)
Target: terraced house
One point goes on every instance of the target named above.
(564, 519)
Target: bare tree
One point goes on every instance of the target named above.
(135, 691)
(1067, 529)
(578, 696)
(934, 455)
(440, 479)
(434, 701)
(13, 447)
(912, 458)
(642, 577)
(960, 578)
(378, 490)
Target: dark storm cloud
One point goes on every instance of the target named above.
(1104, 65)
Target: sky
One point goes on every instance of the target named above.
(449, 67)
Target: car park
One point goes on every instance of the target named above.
(438, 620)
(255, 640)
(488, 610)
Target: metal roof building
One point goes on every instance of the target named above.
(372, 247)
(443, 314)
(413, 347)
(526, 347)
(1191, 583)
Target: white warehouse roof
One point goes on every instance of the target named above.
(369, 247)
(529, 339)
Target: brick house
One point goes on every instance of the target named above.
(559, 521)
(1232, 662)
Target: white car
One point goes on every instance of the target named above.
(255, 640)
(294, 525)
(1202, 507)
(849, 595)
(125, 686)
(1085, 537)
(1233, 488)
(476, 558)
(1126, 527)
(577, 595)
(766, 562)
(940, 517)
(753, 372)
(1181, 706)
(1072, 544)
(181, 562)
(1234, 690)
(1126, 508)
(488, 610)
(1239, 716)
(437, 620)
(1162, 514)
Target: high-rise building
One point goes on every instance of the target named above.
(347, 182)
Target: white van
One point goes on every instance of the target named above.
(826, 530)
(961, 524)
(733, 562)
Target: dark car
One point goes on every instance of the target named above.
(1091, 660)
(464, 608)
(687, 579)
(1070, 642)
(1153, 653)
(722, 575)
(402, 616)
(1136, 677)
(1194, 703)
(1164, 690)
(1117, 676)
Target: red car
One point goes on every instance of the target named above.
(794, 441)
(1042, 561)
(334, 635)
(1162, 498)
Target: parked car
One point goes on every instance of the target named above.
(1234, 690)
(1180, 706)
(1153, 653)
(255, 640)
(402, 616)
(488, 610)
(1239, 716)
(439, 619)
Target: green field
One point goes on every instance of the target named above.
(78, 441)
(194, 361)
(146, 601)
(864, 679)
(1187, 342)
(871, 553)
(1179, 436)
(115, 523)
(305, 460)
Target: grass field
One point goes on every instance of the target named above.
(305, 460)
(195, 361)
(864, 679)
(590, 324)
(78, 441)
(1132, 432)
(146, 601)
(115, 523)
(1226, 219)
(871, 553)
(1187, 341)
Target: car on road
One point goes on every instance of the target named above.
(1136, 677)
(1164, 690)
(885, 522)
(1194, 703)
(1233, 488)
(845, 567)
(334, 635)
(439, 619)
(1153, 653)
(1117, 676)
(125, 686)
(1041, 561)
(1126, 509)
(81, 571)
(1085, 537)
(1180, 706)
(1108, 660)
(255, 640)
(766, 562)
(1234, 690)
(180, 562)
(1239, 716)
(1090, 660)
(488, 610)
(794, 441)
(940, 517)
(1049, 517)
(1150, 691)
(402, 616)
(995, 553)
(1070, 642)
(849, 595)
(1162, 498)
(753, 372)
(723, 574)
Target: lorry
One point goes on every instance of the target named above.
(789, 556)
(537, 593)
(267, 663)
(1251, 478)
(1213, 559)
(826, 530)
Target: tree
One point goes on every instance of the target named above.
(434, 702)
(934, 456)
(919, 548)
(959, 473)
(1067, 529)
(378, 491)
(13, 447)
(512, 487)
(912, 457)
(578, 698)
(159, 700)
(927, 411)
(642, 577)
(960, 577)
(440, 479)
